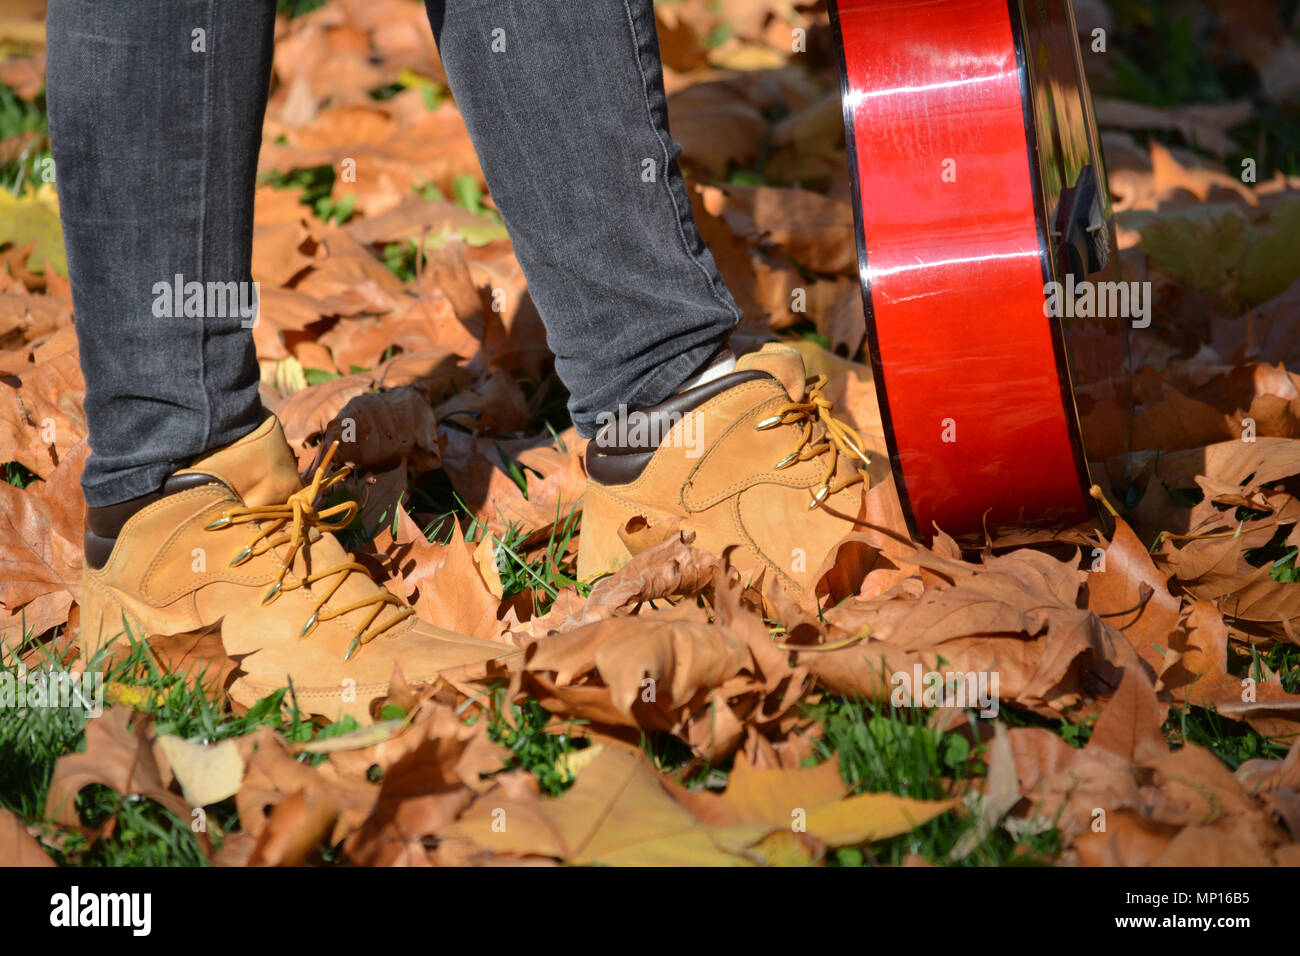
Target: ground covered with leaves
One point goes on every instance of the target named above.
(1149, 681)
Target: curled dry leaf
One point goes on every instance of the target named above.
(294, 828)
(1013, 618)
(383, 428)
(672, 568)
(307, 413)
(425, 788)
(654, 664)
(716, 685)
(1199, 675)
(273, 774)
(1127, 798)
(41, 416)
(1132, 595)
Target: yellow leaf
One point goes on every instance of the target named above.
(136, 698)
(872, 816)
(570, 763)
(772, 796)
(617, 813)
(784, 848)
(376, 733)
(747, 56)
(621, 812)
(485, 559)
(207, 774)
(31, 218)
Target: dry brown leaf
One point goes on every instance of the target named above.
(294, 828)
(1200, 676)
(40, 553)
(425, 788)
(17, 846)
(813, 229)
(1133, 596)
(620, 812)
(274, 774)
(119, 754)
(381, 428)
(671, 568)
(443, 582)
(41, 416)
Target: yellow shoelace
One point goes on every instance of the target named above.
(299, 512)
(837, 438)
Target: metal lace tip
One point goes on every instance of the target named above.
(241, 557)
(352, 648)
(859, 452)
(309, 626)
(787, 461)
(218, 523)
(272, 594)
(766, 423)
(818, 498)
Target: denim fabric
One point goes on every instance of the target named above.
(155, 146)
(155, 150)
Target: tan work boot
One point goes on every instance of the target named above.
(235, 538)
(753, 458)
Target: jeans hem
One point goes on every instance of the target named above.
(663, 382)
(125, 485)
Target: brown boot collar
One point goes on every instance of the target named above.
(103, 525)
(610, 462)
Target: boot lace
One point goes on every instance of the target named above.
(291, 524)
(833, 436)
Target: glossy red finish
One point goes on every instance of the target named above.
(955, 257)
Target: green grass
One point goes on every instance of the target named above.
(433, 94)
(296, 8)
(1160, 60)
(1277, 554)
(403, 258)
(15, 474)
(17, 117)
(314, 185)
(1076, 734)
(1282, 658)
(535, 744)
(1232, 742)
(31, 742)
(33, 739)
(883, 749)
(545, 574)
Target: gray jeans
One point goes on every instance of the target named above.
(156, 153)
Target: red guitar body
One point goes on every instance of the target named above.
(978, 180)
